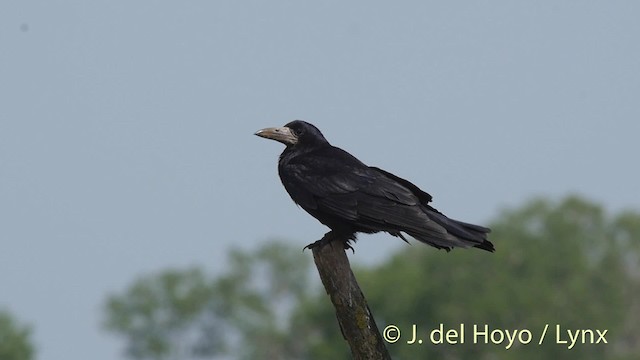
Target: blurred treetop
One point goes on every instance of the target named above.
(15, 342)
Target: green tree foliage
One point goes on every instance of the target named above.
(563, 263)
(15, 342)
(182, 314)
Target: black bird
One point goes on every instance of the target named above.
(350, 197)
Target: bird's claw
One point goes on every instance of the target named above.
(324, 241)
(348, 246)
(311, 246)
(318, 244)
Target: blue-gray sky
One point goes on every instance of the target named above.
(126, 128)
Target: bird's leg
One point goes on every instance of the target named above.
(328, 238)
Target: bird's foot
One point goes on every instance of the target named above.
(330, 238)
(318, 244)
(347, 246)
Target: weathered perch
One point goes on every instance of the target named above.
(354, 317)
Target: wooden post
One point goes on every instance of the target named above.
(354, 317)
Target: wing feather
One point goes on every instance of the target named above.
(368, 196)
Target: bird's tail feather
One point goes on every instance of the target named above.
(458, 234)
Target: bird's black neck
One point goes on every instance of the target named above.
(291, 152)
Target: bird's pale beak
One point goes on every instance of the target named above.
(281, 134)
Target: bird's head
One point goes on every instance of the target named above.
(295, 133)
